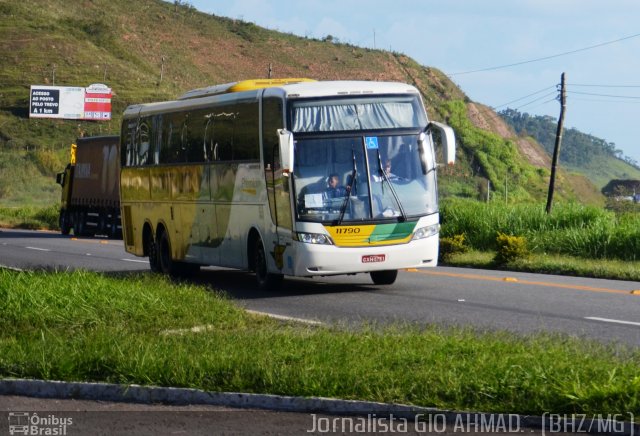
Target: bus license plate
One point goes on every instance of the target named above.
(373, 258)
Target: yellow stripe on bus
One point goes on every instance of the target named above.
(250, 85)
(359, 236)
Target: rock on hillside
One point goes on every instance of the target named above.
(485, 118)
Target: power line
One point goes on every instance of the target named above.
(600, 100)
(633, 97)
(543, 103)
(603, 86)
(545, 57)
(538, 99)
(522, 98)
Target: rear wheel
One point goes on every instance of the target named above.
(266, 280)
(101, 228)
(79, 224)
(165, 262)
(386, 277)
(152, 250)
(64, 222)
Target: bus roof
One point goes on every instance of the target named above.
(340, 88)
(288, 88)
(245, 85)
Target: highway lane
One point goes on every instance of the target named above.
(605, 310)
(24, 249)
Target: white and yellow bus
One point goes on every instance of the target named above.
(287, 177)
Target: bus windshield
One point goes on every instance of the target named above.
(363, 177)
(358, 159)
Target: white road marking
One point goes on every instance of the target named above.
(36, 248)
(285, 318)
(615, 321)
(135, 260)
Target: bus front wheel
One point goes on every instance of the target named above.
(266, 280)
(387, 277)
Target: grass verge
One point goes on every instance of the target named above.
(30, 217)
(551, 264)
(83, 326)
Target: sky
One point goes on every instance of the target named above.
(460, 37)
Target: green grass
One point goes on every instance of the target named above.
(88, 327)
(30, 217)
(551, 264)
(571, 229)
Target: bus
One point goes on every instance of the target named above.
(284, 177)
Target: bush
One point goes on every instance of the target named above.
(450, 246)
(510, 248)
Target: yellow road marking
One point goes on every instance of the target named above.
(92, 241)
(529, 282)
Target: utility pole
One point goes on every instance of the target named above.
(506, 190)
(556, 149)
(270, 70)
(162, 68)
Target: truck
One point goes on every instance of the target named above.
(90, 202)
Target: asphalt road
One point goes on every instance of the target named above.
(605, 310)
(82, 417)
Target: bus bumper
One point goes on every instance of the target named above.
(322, 260)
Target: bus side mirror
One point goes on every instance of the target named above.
(60, 179)
(286, 151)
(448, 141)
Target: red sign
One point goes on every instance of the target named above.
(97, 102)
(373, 258)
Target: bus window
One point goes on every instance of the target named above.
(196, 124)
(246, 140)
(143, 141)
(223, 125)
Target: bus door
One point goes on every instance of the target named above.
(278, 183)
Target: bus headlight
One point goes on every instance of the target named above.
(314, 238)
(425, 232)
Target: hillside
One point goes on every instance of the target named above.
(583, 153)
(151, 50)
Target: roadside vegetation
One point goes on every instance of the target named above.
(30, 217)
(83, 326)
(585, 232)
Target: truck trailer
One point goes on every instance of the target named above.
(90, 203)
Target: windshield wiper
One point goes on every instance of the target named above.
(403, 216)
(354, 174)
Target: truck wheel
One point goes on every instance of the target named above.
(112, 227)
(387, 277)
(79, 224)
(266, 281)
(64, 222)
(103, 219)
